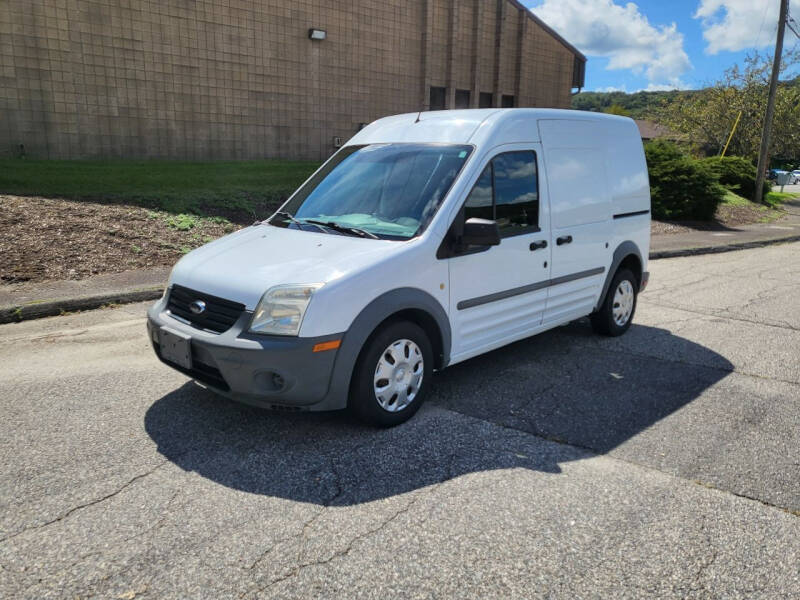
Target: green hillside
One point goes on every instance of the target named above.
(640, 105)
(643, 105)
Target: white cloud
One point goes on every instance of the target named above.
(738, 24)
(620, 33)
(611, 88)
(662, 87)
(652, 87)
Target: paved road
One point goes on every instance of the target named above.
(795, 189)
(663, 463)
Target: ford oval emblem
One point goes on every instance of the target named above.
(198, 307)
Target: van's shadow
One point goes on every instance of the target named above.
(567, 385)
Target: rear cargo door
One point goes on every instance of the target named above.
(575, 154)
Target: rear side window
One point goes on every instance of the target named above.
(508, 192)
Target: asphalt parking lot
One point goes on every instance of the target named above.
(663, 463)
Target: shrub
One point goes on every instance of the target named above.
(736, 173)
(681, 187)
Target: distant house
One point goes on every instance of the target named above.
(650, 130)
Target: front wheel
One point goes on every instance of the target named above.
(392, 375)
(615, 315)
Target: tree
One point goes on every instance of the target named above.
(681, 187)
(617, 109)
(708, 116)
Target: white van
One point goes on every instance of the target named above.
(428, 239)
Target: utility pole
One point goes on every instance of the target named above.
(773, 88)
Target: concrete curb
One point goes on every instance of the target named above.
(50, 308)
(678, 252)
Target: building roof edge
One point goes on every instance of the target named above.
(549, 29)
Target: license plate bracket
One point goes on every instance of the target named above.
(175, 347)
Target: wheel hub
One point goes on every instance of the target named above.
(622, 307)
(398, 375)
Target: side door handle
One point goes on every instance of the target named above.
(567, 239)
(538, 245)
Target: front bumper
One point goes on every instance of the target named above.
(275, 372)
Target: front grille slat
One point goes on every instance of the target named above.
(219, 316)
(206, 323)
(227, 313)
(188, 294)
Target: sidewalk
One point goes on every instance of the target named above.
(33, 300)
(787, 229)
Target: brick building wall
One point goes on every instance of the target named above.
(205, 79)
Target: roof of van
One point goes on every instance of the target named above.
(472, 126)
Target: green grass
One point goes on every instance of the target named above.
(734, 199)
(230, 189)
(775, 199)
(182, 222)
(771, 200)
(764, 213)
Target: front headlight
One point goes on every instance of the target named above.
(280, 311)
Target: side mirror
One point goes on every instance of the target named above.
(480, 232)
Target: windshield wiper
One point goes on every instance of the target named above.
(343, 228)
(298, 222)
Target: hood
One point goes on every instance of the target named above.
(242, 266)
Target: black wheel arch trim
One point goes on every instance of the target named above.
(623, 251)
(375, 313)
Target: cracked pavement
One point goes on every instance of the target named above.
(662, 463)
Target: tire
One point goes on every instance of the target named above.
(623, 293)
(386, 393)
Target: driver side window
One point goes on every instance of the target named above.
(507, 192)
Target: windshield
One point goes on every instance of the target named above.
(389, 191)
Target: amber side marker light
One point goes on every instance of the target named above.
(323, 346)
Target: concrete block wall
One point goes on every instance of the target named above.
(240, 79)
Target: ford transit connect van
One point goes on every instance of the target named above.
(427, 240)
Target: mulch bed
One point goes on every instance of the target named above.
(732, 215)
(667, 227)
(728, 217)
(46, 239)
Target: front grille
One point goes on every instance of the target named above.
(218, 316)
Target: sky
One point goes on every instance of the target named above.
(663, 44)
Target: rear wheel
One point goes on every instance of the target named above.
(615, 315)
(392, 375)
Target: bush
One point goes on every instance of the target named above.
(681, 187)
(736, 173)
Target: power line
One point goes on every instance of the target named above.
(789, 22)
(763, 19)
